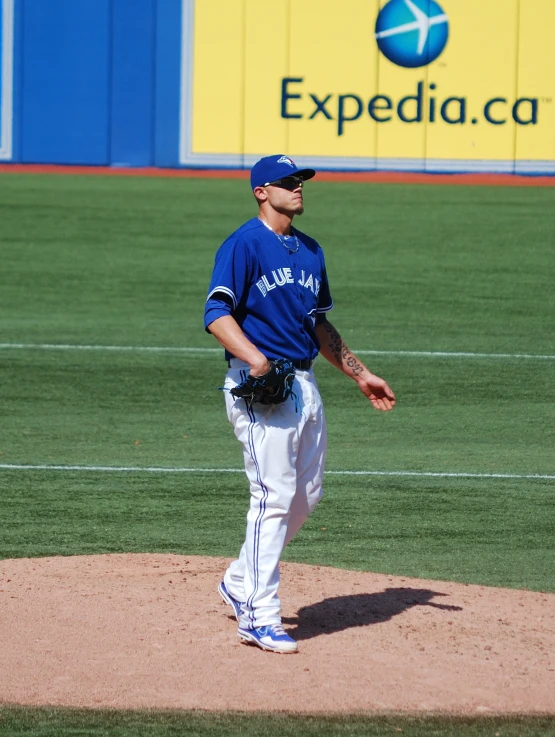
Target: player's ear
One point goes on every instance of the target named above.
(260, 194)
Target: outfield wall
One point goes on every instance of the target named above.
(421, 85)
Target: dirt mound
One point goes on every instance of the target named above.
(149, 631)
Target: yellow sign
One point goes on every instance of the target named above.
(386, 84)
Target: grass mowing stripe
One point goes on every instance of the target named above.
(192, 349)
(161, 469)
(83, 408)
(118, 469)
(64, 722)
(69, 347)
(424, 528)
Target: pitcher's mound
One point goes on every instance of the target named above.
(150, 631)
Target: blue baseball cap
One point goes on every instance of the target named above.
(271, 168)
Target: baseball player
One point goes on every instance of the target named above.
(267, 306)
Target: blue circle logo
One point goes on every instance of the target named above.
(412, 33)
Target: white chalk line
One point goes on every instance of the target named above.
(162, 469)
(188, 349)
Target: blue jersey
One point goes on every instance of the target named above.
(275, 293)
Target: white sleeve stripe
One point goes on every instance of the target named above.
(225, 290)
(325, 309)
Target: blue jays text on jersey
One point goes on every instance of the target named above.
(284, 276)
(275, 293)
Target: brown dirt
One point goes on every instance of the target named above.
(149, 631)
(493, 180)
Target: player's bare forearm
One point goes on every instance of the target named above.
(335, 350)
(228, 333)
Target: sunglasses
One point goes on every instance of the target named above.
(289, 183)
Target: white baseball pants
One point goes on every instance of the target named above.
(284, 448)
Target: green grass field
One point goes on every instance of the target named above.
(125, 262)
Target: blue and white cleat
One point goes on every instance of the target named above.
(273, 637)
(226, 596)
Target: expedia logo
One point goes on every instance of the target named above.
(412, 33)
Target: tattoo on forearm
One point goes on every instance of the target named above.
(340, 351)
(354, 365)
(335, 342)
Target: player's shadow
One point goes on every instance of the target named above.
(359, 610)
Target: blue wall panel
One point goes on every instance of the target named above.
(133, 58)
(96, 82)
(66, 81)
(168, 81)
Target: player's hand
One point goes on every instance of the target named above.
(377, 390)
(260, 366)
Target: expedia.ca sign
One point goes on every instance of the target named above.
(435, 84)
(411, 34)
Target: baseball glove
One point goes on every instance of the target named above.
(271, 388)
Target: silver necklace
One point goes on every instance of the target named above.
(281, 238)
